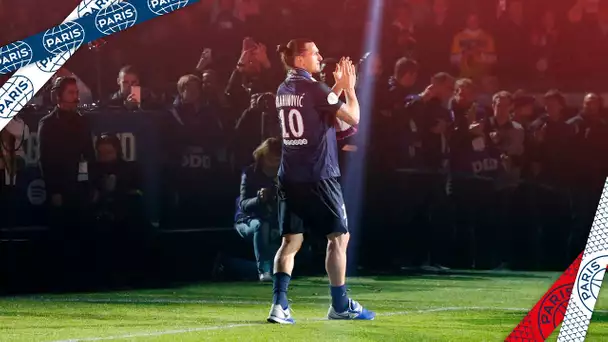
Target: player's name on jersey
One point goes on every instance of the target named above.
(290, 101)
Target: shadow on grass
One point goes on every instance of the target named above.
(406, 281)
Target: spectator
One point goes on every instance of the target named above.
(399, 38)
(12, 138)
(401, 83)
(508, 136)
(547, 41)
(65, 130)
(224, 28)
(128, 77)
(214, 99)
(554, 139)
(473, 50)
(118, 186)
(465, 108)
(523, 109)
(512, 44)
(594, 45)
(591, 145)
(426, 121)
(437, 36)
(42, 99)
(201, 157)
(66, 154)
(524, 115)
(256, 214)
(250, 75)
(118, 210)
(197, 104)
(475, 164)
(258, 123)
(387, 133)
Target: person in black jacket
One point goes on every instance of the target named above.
(66, 147)
(256, 205)
(66, 154)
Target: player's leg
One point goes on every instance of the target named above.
(291, 226)
(335, 265)
(332, 217)
(283, 267)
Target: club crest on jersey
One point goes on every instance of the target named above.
(14, 56)
(115, 18)
(590, 279)
(64, 37)
(15, 94)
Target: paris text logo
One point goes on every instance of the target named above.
(160, 7)
(590, 280)
(88, 7)
(15, 94)
(553, 308)
(15, 56)
(53, 63)
(63, 38)
(116, 18)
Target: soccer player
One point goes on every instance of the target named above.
(308, 190)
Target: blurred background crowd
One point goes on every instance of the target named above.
(486, 132)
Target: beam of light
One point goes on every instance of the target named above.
(354, 177)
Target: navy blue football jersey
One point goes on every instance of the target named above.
(307, 112)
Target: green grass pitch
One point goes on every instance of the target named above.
(468, 306)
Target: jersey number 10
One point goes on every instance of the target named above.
(295, 123)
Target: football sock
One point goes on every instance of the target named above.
(339, 300)
(280, 283)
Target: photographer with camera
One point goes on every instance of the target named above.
(257, 123)
(256, 214)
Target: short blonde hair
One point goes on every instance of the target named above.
(184, 80)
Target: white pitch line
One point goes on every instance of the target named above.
(227, 301)
(232, 326)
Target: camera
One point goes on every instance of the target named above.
(264, 102)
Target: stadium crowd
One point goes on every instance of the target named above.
(465, 167)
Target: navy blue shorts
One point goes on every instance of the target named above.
(316, 207)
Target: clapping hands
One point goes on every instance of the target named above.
(345, 74)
